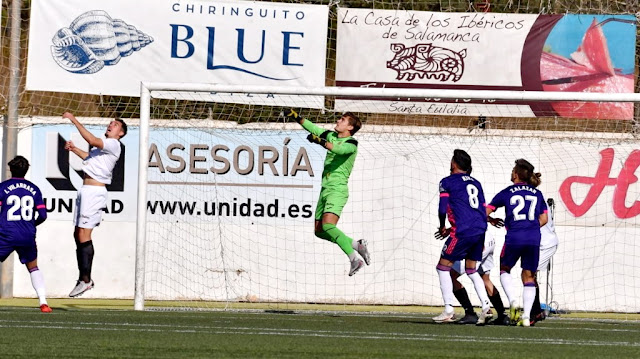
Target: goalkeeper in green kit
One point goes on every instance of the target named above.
(342, 150)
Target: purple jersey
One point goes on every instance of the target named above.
(465, 209)
(21, 209)
(523, 206)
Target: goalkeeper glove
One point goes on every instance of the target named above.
(317, 139)
(293, 115)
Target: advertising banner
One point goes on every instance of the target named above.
(227, 174)
(244, 166)
(109, 47)
(235, 176)
(486, 51)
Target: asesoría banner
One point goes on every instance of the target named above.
(109, 47)
(487, 51)
(233, 174)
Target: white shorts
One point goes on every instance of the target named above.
(91, 202)
(545, 257)
(486, 264)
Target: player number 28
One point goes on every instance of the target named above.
(21, 208)
(520, 202)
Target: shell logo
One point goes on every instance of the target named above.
(95, 40)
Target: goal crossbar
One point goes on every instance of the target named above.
(395, 92)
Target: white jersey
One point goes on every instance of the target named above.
(486, 264)
(100, 162)
(548, 236)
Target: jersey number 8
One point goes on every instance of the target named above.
(472, 191)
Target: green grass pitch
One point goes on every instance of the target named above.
(111, 329)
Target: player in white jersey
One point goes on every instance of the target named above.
(548, 247)
(98, 165)
(549, 239)
(484, 269)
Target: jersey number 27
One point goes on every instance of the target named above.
(519, 203)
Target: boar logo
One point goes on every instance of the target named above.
(426, 60)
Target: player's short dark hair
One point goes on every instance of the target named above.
(123, 125)
(18, 166)
(353, 121)
(525, 171)
(462, 159)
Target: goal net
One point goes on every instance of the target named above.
(228, 193)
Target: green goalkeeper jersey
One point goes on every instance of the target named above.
(339, 161)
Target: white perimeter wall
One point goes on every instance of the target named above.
(393, 203)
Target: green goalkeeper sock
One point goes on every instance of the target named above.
(324, 235)
(336, 236)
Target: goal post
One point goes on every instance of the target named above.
(141, 219)
(393, 193)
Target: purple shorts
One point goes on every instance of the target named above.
(27, 252)
(528, 254)
(458, 248)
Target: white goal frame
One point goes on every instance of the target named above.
(147, 90)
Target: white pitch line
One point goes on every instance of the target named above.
(306, 333)
(592, 329)
(295, 316)
(267, 316)
(230, 320)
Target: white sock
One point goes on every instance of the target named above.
(354, 244)
(478, 283)
(37, 280)
(507, 285)
(353, 256)
(446, 286)
(528, 296)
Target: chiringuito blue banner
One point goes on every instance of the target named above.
(109, 47)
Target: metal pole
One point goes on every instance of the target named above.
(547, 311)
(10, 129)
(141, 225)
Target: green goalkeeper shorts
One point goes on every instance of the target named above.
(331, 201)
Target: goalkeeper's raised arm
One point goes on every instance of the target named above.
(342, 142)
